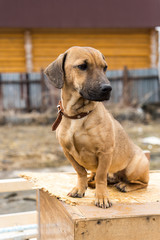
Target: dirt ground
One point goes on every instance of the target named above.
(32, 147)
(35, 148)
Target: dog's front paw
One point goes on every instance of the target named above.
(103, 202)
(76, 193)
(102, 199)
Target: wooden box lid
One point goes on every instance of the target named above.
(59, 184)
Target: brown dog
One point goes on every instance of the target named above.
(90, 137)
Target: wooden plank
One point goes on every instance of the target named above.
(113, 64)
(98, 44)
(142, 59)
(135, 220)
(18, 219)
(17, 184)
(21, 58)
(12, 69)
(106, 51)
(14, 40)
(11, 55)
(38, 212)
(118, 43)
(121, 210)
(126, 93)
(10, 64)
(103, 35)
(52, 217)
(121, 48)
(70, 37)
(28, 101)
(119, 229)
(27, 234)
(59, 220)
(46, 182)
(98, 40)
(154, 48)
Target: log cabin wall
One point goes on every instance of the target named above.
(120, 46)
(12, 52)
(134, 48)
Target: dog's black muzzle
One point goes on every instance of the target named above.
(105, 91)
(98, 93)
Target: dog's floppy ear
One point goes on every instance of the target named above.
(55, 71)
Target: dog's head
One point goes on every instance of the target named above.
(84, 70)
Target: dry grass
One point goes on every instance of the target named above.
(37, 146)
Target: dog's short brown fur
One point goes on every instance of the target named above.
(96, 142)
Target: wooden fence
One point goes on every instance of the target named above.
(32, 91)
(26, 92)
(21, 225)
(134, 87)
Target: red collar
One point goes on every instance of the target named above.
(62, 113)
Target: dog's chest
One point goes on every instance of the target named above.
(77, 140)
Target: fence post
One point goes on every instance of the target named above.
(28, 105)
(125, 79)
(21, 86)
(43, 91)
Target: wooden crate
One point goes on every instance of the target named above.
(133, 216)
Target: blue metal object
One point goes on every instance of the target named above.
(18, 228)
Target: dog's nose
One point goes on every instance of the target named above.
(105, 88)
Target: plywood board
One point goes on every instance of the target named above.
(55, 223)
(59, 220)
(119, 229)
(59, 184)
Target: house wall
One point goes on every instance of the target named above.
(31, 50)
(158, 29)
(12, 53)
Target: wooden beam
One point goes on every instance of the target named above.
(28, 103)
(18, 219)
(17, 184)
(28, 51)
(154, 49)
(27, 234)
(158, 29)
(125, 79)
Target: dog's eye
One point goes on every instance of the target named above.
(105, 68)
(83, 66)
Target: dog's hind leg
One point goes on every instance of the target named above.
(128, 187)
(112, 178)
(136, 175)
(91, 180)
